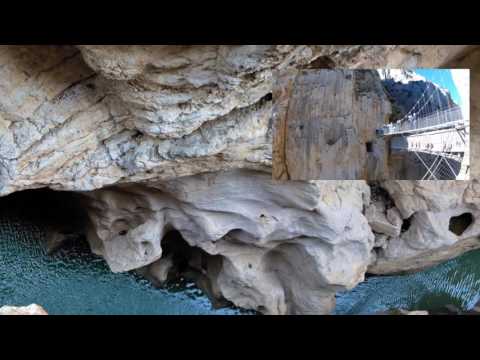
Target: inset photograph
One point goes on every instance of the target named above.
(371, 124)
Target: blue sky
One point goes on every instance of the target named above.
(443, 78)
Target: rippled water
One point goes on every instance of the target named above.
(74, 281)
(455, 282)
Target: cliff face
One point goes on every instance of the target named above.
(405, 89)
(167, 138)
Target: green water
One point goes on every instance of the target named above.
(455, 282)
(74, 281)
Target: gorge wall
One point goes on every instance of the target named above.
(163, 138)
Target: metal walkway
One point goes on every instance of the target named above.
(439, 139)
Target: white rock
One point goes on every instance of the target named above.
(273, 237)
(150, 120)
(378, 221)
(23, 310)
(161, 268)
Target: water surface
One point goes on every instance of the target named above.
(455, 282)
(74, 281)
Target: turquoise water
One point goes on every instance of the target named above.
(74, 281)
(455, 282)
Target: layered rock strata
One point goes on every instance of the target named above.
(163, 138)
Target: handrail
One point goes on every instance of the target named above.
(435, 120)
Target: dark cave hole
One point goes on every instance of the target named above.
(458, 224)
(378, 193)
(369, 146)
(193, 264)
(322, 62)
(406, 224)
(62, 217)
(173, 244)
(269, 97)
(137, 135)
(60, 214)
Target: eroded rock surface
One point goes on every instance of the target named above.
(440, 220)
(178, 138)
(22, 310)
(269, 235)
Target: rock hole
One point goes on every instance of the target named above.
(322, 62)
(458, 224)
(369, 146)
(138, 134)
(378, 193)
(193, 264)
(123, 232)
(61, 215)
(173, 244)
(406, 224)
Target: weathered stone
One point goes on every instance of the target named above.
(162, 133)
(381, 241)
(23, 310)
(161, 268)
(429, 207)
(394, 217)
(378, 221)
(262, 230)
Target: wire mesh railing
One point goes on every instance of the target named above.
(436, 120)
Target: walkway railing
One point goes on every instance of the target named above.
(437, 120)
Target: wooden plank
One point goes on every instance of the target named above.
(323, 121)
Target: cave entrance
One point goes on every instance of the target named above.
(178, 250)
(322, 62)
(406, 224)
(182, 263)
(61, 215)
(458, 224)
(369, 146)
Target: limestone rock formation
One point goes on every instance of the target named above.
(269, 235)
(163, 138)
(141, 111)
(22, 310)
(439, 222)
